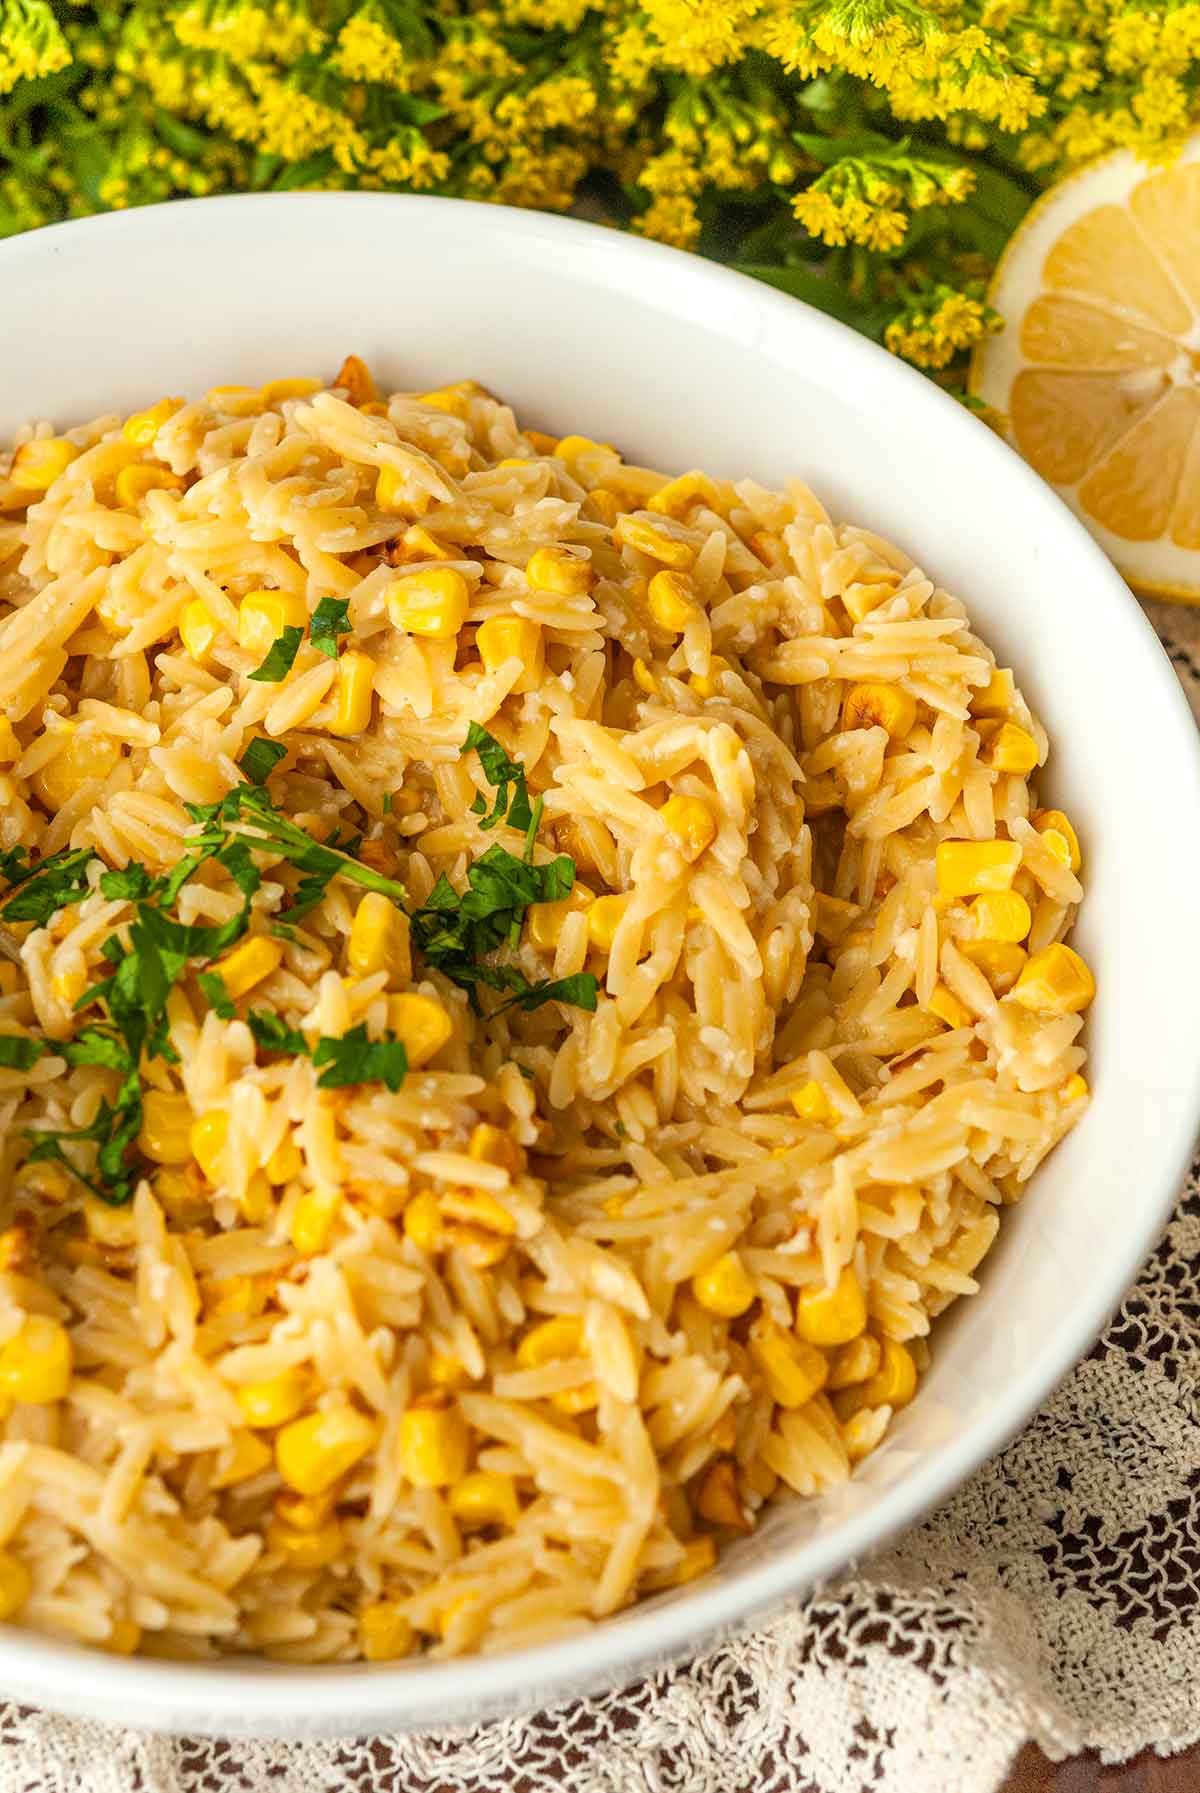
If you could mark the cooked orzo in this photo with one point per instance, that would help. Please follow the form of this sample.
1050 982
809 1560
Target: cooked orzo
526 987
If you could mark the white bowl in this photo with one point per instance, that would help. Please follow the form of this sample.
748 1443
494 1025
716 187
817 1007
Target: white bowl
683 363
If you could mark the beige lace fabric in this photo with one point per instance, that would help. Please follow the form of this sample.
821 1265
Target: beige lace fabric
1055 1598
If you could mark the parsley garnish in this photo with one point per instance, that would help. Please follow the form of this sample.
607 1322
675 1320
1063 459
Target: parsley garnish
329 620
19 1054
274 1035
219 1000
356 1059
504 773
261 758
48 886
280 655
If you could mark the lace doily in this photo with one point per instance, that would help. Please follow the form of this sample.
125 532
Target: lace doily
1055 1598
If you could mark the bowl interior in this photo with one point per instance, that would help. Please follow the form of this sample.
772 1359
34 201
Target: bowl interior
681 364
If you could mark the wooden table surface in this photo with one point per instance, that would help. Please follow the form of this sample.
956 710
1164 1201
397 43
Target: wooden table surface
1147 1773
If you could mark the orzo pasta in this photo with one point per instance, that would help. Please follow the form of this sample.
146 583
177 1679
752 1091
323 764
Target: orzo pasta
526 986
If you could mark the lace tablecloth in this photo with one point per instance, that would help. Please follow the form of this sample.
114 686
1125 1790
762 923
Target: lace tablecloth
1056 1597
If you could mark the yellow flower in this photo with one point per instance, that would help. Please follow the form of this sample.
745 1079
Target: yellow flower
367 51
671 218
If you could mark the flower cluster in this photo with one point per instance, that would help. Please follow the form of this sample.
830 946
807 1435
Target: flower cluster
870 155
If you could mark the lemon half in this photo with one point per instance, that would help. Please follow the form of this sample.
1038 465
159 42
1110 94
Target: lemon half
1096 373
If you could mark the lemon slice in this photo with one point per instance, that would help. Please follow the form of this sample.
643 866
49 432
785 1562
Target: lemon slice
1096 373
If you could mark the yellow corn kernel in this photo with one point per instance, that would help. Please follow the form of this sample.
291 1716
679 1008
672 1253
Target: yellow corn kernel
880 706
996 697
1058 844
15 1584
143 426
245 1456
304 1512
453 400
423 1221
671 600
717 1497
166 1127
35 1365
605 504
576 1400
726 1287
1001 961
1049 822
207 1138
276 391
390 488
677 497
545 920
945 1005
485 1498
550 1340
372 942
895 1382
515 460
421 1023
553 569
132 483
704 684
198 629
724 1433
603 918
350 699
447 1372
354 378
109 1226
273 1403
284 1163
433 603
1001 915
793 1370
83 758
306 1550
263 616
969 867
481 1247
37 464
1056 981
313 1220
856 1362
383 1632
249 963
234 401
656 544
124 1638
10 746
569 448
644 679
478 1208
811 1103
492 1145
690 823
834 1316
860 1435
699 1555
503 638
432 1446
313 1453
418 544
1012 749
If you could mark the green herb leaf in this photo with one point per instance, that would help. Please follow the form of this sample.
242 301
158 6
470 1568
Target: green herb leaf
356 1059
50 886
19 1054
261 758
329 620
217 995
502 772
274 1035
132 882
14 864
581 991
280 655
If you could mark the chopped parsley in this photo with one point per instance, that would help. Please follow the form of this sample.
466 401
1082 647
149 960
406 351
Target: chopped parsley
356 1059
213 987
329 620
274 1035
281 655
48 886
505 774
19 1054
261 758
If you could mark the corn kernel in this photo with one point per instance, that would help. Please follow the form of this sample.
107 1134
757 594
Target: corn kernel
132 484
550 1340
724 1433
107 1225
354 378
418 544
861 1434
390 490
350 699
481 1247
545 920
432 1446
970 867
644 679
856 1362
447 1372
1049 822
234 401
945 1005
485 1498
264 615
1013 749
37 464
453 400
704 684
726 1287
834 1316
1001 961
433 603
304 1512
284 1163
1056 981
423 1221
717 1497
371 946
793 1370
124 1638
690 823
313 1453
274 1402
576 1400
245 1456
198 629
10 746
605 504
671 600
313 1220
880 706
492 1145
384 1633
569 448
249 963
893 1384
656 544
553 569
166 1127
603 918
143 426
1058 844
306 1550
35 1365
811 1103
996 697
82 759
698 1557
1001 915
421 1023
208 1135
677 497
504 638
276 391
15 1584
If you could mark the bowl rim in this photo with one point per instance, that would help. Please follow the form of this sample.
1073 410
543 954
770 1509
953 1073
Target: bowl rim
251 1698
